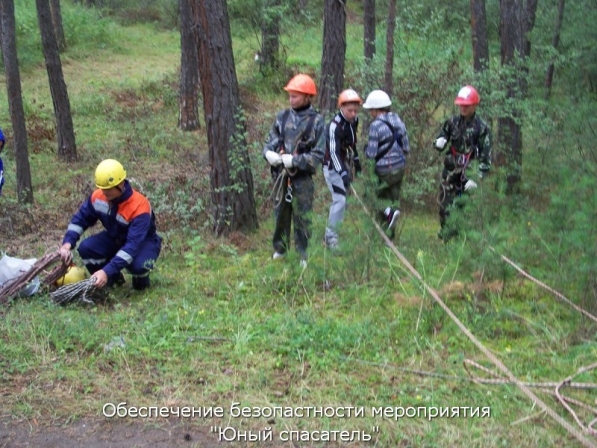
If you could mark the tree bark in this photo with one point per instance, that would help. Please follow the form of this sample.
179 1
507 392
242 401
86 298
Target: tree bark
188 101
389 68
67 149
15 101
369 28
333 55
57 22
517 18
231 177
270 36
555 42
479 35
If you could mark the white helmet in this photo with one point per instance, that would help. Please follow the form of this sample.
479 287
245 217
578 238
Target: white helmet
378 99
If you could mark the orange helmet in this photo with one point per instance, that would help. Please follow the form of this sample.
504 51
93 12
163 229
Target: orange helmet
303 84
349 96
467 96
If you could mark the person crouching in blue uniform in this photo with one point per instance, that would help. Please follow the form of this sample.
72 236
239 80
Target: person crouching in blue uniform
129 239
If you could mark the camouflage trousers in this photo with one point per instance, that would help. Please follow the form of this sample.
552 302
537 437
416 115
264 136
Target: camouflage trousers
297 212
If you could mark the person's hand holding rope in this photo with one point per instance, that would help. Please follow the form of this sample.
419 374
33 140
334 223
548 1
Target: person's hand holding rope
100 279
65 254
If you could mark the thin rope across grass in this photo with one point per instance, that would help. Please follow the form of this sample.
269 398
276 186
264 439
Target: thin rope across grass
544 286
499 364
11 288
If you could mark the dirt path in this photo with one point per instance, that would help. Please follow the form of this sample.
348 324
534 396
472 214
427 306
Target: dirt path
103 433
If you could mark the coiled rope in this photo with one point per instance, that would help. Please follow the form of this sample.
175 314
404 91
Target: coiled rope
278 193
83 291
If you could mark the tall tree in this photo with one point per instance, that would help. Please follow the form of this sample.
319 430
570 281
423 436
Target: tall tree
231 178
555 42
333 55
479 35
270 35
389 69
67 149
369 28
57 22
15 100
517 18
188 100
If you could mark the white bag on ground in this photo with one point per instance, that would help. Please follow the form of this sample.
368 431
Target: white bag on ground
11 267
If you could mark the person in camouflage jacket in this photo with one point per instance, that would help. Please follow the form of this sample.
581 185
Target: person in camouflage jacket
464 137
295 148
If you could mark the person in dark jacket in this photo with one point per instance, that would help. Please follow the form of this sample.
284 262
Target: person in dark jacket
129 239
341 157
295 148
388 145
465 137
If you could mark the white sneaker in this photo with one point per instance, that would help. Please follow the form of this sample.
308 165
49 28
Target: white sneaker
277 255
304 264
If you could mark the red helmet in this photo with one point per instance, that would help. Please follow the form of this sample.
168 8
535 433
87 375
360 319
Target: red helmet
467 96
303 84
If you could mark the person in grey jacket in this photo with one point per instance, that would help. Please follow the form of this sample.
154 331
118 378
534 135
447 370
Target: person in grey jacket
388 146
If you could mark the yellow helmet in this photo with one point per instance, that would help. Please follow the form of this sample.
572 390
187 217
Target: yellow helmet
109 173
74 274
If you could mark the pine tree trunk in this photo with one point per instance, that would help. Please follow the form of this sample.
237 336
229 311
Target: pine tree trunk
333 56
479 35
555 42
270 36
231 177
188 116
517 19
57 22
15 101
67 149
369 28
389 69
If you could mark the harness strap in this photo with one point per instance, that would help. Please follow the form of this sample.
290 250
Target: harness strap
390 142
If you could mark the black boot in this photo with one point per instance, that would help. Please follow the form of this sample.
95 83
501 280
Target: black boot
117 280
141 283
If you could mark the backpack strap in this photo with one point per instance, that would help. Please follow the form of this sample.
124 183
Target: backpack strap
390 142
285 116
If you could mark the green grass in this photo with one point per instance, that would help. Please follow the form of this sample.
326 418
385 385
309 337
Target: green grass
224 323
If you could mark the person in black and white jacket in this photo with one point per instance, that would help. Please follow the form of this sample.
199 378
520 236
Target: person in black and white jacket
340 157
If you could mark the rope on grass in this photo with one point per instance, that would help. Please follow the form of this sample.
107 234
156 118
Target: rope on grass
83 291
476 379
500 365
11 288
544 286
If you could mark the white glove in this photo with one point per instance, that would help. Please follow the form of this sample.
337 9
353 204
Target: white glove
273 158
439 143
470 185
287 160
